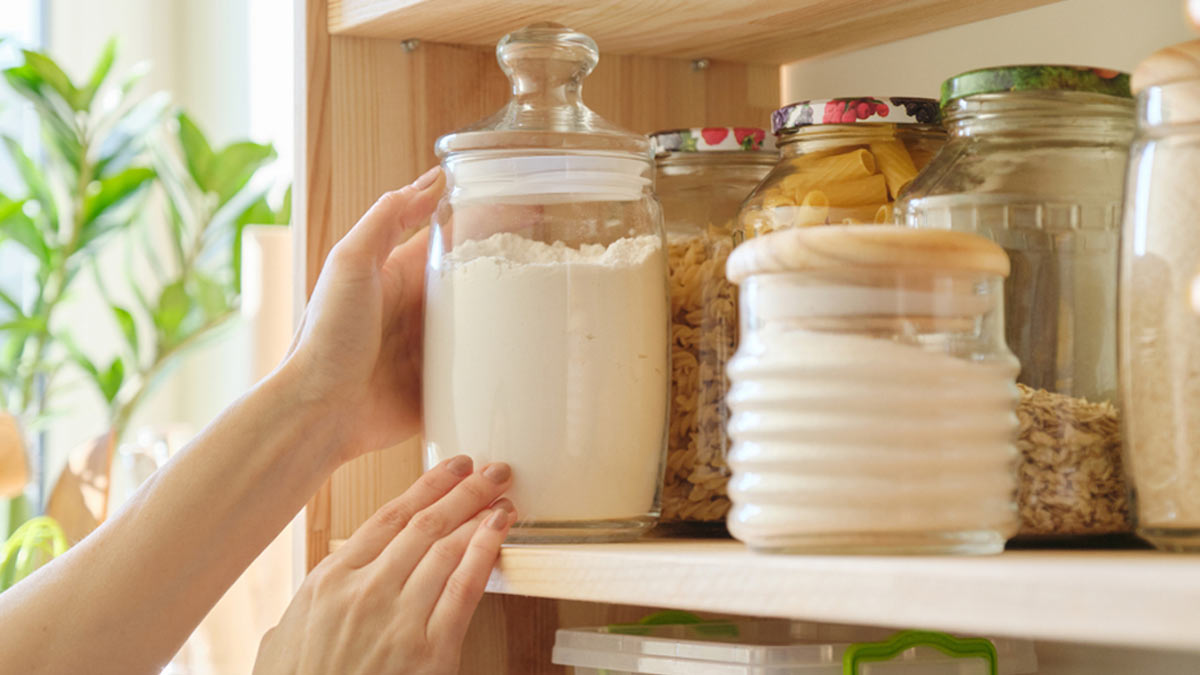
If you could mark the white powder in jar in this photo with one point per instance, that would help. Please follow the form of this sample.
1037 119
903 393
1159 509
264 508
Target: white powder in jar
553 359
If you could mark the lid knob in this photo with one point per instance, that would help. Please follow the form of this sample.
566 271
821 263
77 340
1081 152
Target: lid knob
546 55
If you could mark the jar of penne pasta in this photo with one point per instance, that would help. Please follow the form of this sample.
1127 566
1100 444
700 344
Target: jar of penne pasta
842 161
703 175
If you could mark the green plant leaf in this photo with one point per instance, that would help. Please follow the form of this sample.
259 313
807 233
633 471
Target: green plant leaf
284 216
128 137
55 113
15 225
110 380
234 166
257 213
212 296
172 309
34 179
85 96
128 327
24 324
113 190
197 153
51 75
10 302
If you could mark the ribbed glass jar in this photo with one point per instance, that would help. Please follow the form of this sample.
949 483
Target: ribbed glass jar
872 393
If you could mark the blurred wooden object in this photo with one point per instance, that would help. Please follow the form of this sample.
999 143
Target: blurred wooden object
79 501
14 465
1177 63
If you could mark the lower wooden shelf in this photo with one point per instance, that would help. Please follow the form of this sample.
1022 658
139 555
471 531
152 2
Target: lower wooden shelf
1134 598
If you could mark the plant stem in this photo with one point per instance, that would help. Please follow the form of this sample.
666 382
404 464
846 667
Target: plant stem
123 413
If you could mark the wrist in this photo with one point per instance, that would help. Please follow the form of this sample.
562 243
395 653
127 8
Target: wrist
320 418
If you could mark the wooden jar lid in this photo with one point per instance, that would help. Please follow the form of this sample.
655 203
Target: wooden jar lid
1177 63
865 247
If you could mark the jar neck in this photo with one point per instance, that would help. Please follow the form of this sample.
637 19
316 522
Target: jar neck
1049 116
818 137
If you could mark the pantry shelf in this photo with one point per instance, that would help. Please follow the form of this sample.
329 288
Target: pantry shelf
755 31
1135 598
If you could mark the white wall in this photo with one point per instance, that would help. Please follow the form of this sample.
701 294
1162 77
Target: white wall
1103 33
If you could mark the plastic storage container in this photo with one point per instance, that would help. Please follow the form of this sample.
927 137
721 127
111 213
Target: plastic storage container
1035 162
842 161
1160 303
872 393
703 176
768 647
546 327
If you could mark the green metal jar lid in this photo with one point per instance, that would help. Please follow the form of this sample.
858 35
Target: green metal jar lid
1036 78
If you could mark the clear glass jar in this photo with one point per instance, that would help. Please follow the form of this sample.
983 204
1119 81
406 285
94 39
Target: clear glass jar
546 327
842 161
1035 162
703 177
1160 316
872 393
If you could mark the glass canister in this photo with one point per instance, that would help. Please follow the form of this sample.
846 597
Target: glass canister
842 161
1035 162
702 178
1160 302
872 393
546 326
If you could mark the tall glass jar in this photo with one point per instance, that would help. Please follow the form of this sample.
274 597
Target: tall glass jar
1035 162
842 161
703 177
1160 305
546 328
872 398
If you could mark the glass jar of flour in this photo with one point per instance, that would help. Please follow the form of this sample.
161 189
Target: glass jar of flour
546 314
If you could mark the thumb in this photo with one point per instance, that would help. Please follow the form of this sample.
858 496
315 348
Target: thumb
394 216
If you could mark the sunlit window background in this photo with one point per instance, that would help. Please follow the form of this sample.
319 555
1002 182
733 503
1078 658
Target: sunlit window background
228 64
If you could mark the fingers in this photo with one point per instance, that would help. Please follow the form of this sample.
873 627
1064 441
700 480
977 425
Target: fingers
393 215
467 499
424 587
463 590
370 539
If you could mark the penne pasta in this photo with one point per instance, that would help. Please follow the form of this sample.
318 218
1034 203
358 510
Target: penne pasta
854 215
883 216
895 164
871 190
858 163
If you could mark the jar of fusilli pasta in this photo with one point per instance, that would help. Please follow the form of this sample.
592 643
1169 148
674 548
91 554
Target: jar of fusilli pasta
842 161
703 176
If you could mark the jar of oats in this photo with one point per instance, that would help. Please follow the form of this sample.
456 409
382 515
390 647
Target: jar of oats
702 177
1159 306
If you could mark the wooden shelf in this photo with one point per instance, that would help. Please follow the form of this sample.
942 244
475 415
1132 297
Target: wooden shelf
750 31
1135 598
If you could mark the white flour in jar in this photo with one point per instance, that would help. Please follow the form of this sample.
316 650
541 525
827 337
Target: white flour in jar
554 360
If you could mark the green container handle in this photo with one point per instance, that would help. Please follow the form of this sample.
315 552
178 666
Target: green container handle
960 648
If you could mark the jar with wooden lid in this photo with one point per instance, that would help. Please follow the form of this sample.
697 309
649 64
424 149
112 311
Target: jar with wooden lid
872 393
842 161
1159 316
703 175
1035 162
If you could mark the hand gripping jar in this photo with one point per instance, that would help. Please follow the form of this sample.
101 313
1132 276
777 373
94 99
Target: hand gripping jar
1035 162
703 177
1159 315
872 393
842 161
546 331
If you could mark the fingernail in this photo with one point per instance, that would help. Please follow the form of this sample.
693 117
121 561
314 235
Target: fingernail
427 178
460 466
498 472
505 505
498 521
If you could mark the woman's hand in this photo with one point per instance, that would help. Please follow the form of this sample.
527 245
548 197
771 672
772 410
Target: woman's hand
358 351
398 596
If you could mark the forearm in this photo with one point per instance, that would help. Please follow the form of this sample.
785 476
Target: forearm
125 599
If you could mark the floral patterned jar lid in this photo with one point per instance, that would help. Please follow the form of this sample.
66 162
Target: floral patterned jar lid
1036 78
891 110
711 139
